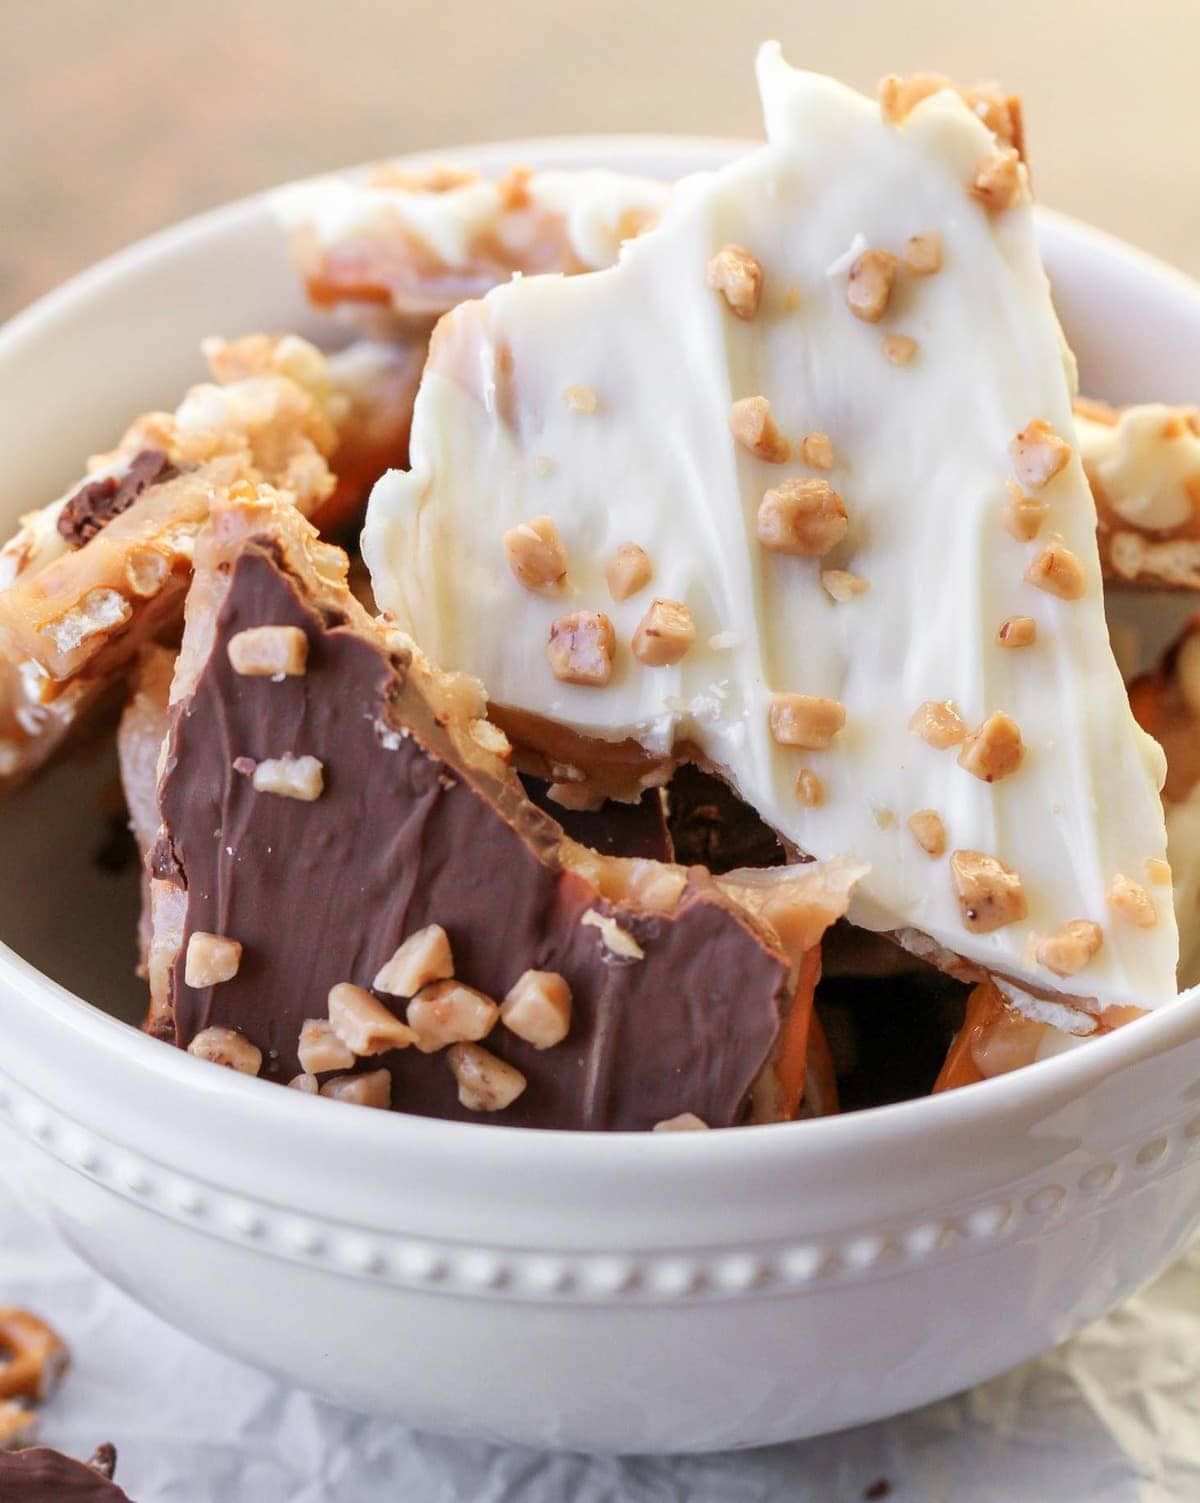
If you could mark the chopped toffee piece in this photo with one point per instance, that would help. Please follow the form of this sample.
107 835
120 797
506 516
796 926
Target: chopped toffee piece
898 348
804 517
869 285
1070 949
269 652
922 254
450 1012
423 957
321 1050
581 648
1017 631
751 423
999 182
816 450
536 555
805 720
684 1122
227 1047
994 749
363 1023
371 1089
627 572
738 277
938 723
1038 454
664 634
538 1009
1058 571
929 831
702 1021
990 895
581 399
1132 902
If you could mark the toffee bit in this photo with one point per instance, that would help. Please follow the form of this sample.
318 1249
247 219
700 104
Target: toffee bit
754 428
269 652
994 749
922 254
806 720
227 1047
1017 631
449 1012
581 648
1070 949
211 959
485 1083
869 285
1058 571
805 518
990 894
628 571
684 1122
536 555
1023 516
538 1008
898 348
664 634
423 957
997 184
1131 901
1038 455
738 277
581 399
928 831
374 1089
816 450
841 585
809 788
938 723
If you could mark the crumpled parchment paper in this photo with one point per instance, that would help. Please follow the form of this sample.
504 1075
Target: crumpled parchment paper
1111 1417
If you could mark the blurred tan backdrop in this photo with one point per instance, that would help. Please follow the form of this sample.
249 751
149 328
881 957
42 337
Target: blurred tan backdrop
119 116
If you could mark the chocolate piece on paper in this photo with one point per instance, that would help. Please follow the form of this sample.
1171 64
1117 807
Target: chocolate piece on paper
40 1475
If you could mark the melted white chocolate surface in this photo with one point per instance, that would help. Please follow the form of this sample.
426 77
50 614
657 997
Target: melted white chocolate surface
921 457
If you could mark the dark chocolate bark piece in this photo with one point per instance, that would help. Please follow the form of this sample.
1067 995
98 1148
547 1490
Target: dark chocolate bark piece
40 1475
681 996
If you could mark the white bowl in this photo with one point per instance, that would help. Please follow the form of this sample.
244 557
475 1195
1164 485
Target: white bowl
609 1292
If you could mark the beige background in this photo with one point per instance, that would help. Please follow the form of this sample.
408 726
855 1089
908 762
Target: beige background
119 116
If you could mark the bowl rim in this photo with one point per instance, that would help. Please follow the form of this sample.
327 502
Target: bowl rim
1066 1075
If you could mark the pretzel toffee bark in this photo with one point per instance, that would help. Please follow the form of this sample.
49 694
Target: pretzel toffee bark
92 576
458 954
955 718
404 247
39 1475
1143 463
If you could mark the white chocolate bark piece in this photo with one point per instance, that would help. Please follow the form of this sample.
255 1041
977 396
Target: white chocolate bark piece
1143 463
406 247
924 455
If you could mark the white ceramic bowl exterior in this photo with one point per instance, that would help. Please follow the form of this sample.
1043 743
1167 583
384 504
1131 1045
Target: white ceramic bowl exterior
619 1292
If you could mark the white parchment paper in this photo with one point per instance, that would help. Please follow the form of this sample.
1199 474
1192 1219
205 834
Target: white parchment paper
1111 1417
